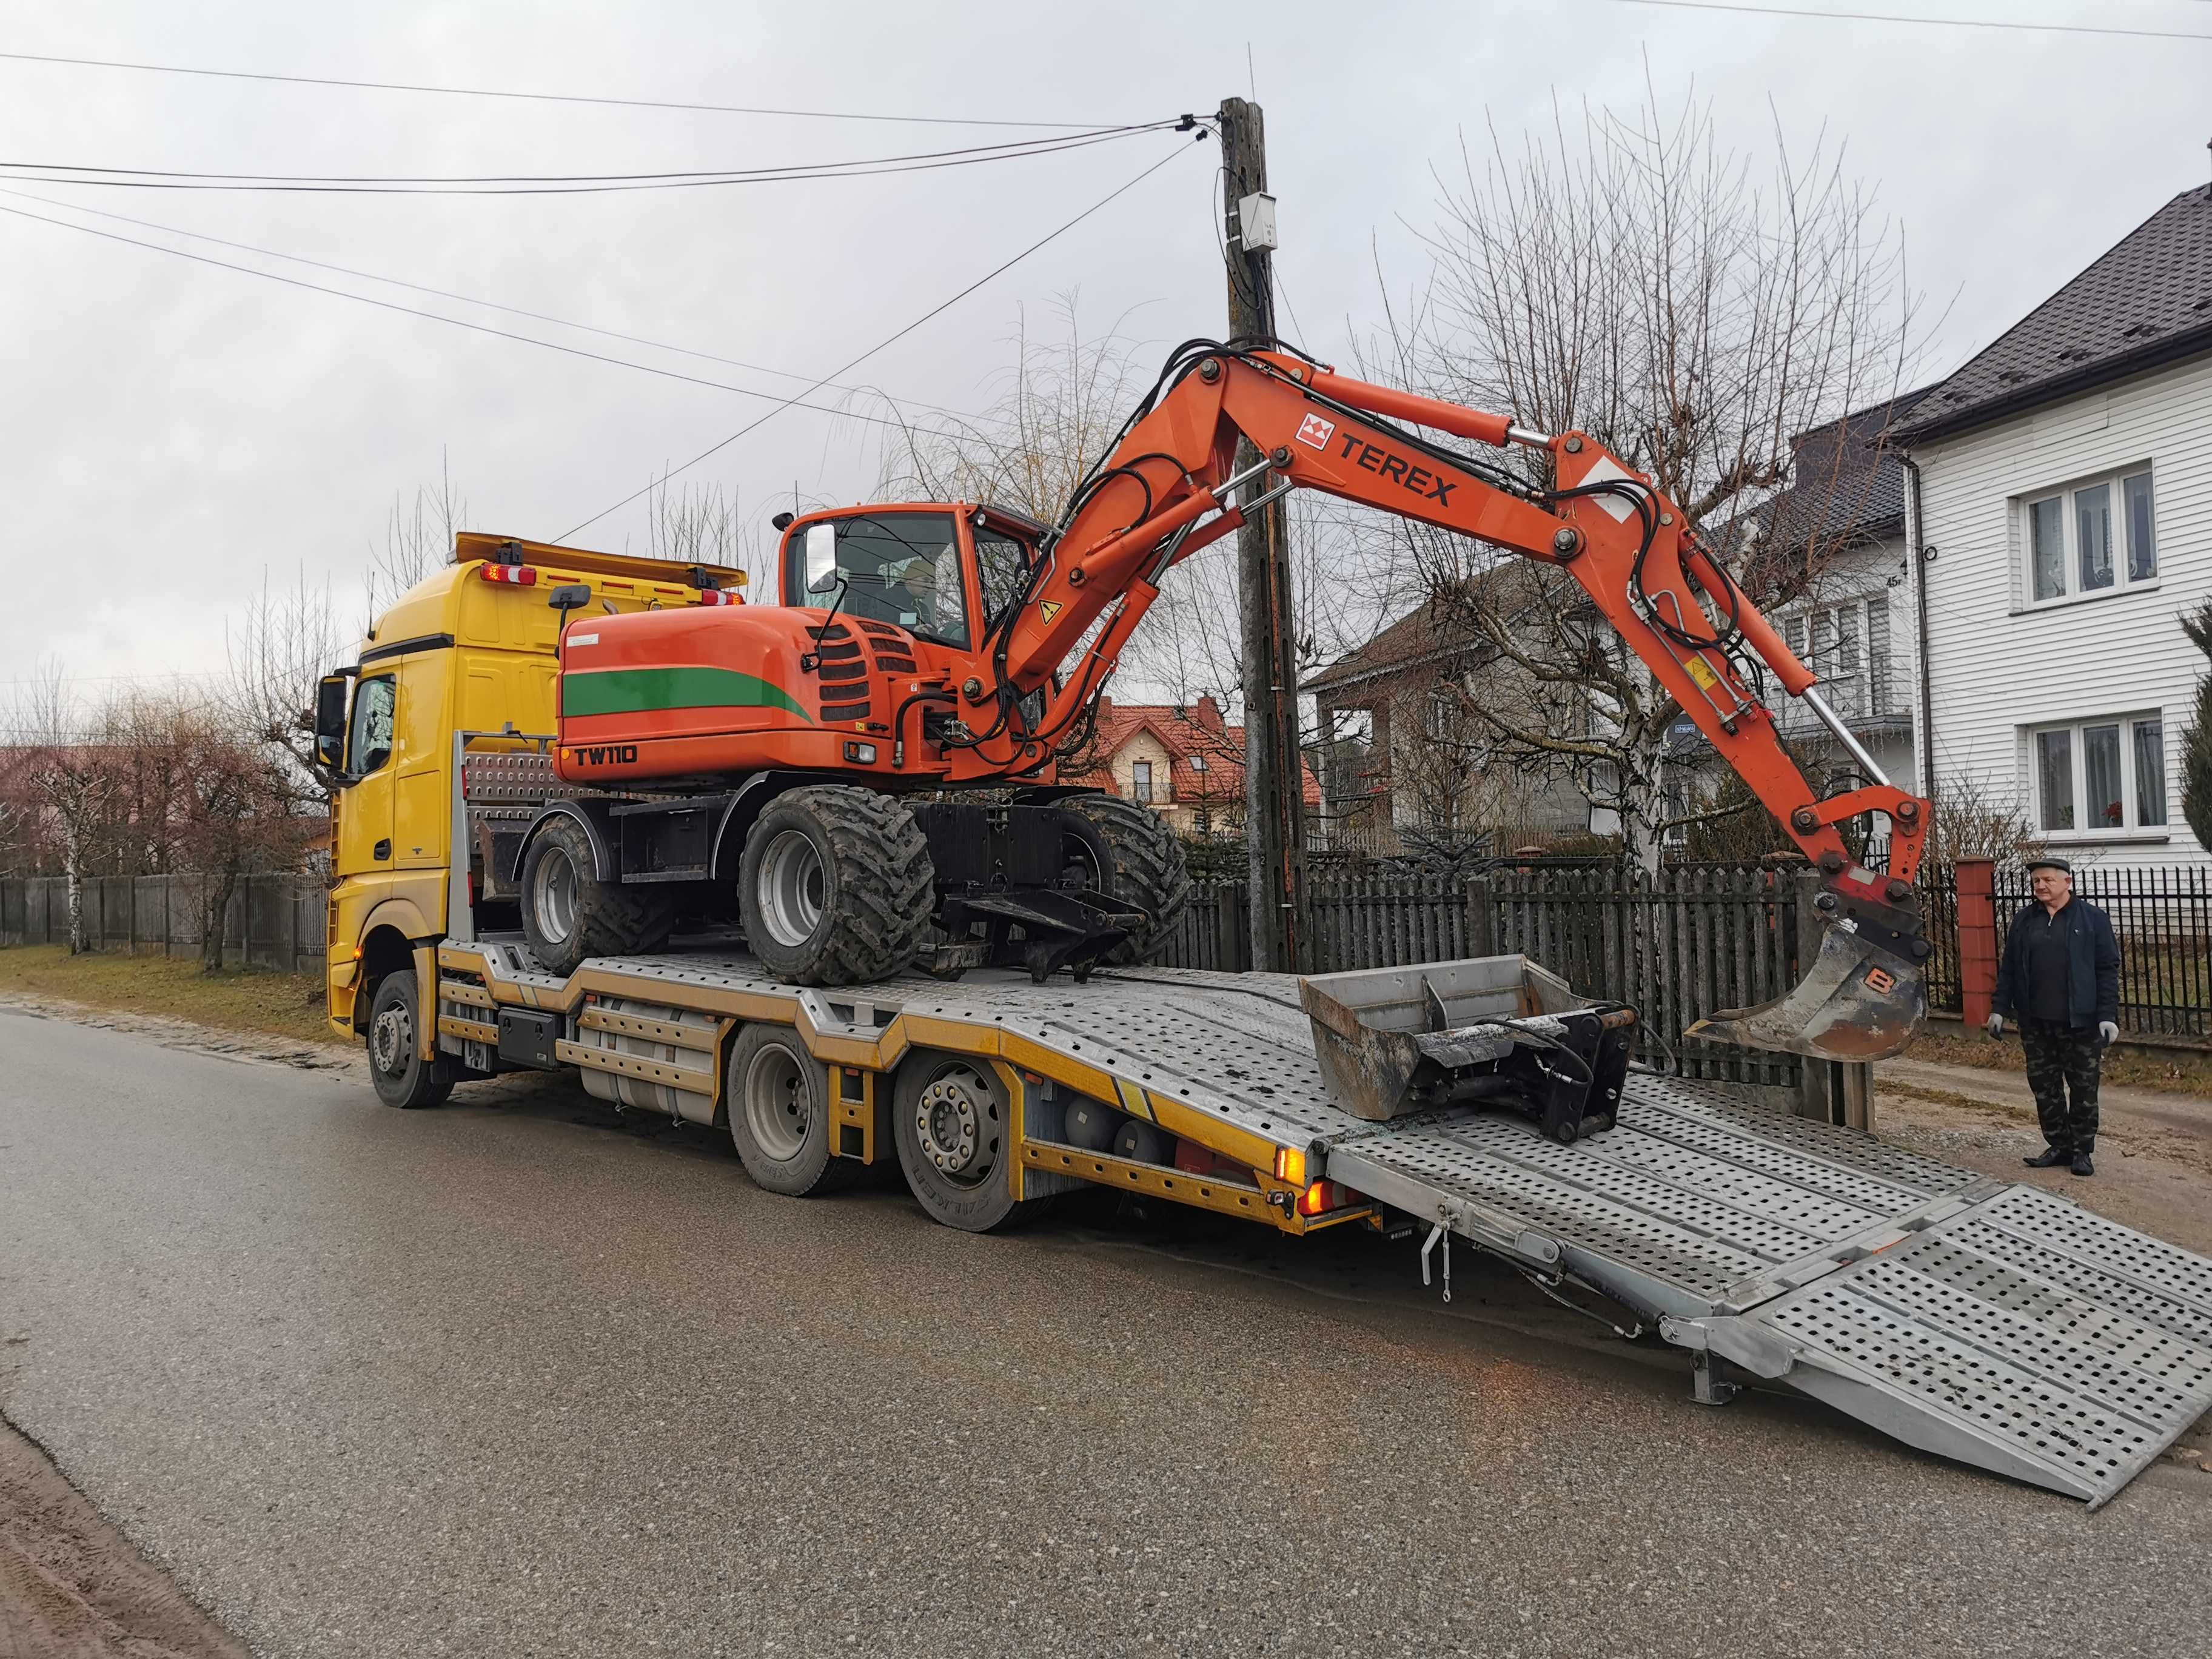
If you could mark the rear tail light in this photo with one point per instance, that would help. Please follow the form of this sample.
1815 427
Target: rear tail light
1324 1195
514 575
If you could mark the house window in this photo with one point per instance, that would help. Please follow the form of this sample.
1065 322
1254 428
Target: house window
2101 776
1846 644
2095 538
1198 763
1141 781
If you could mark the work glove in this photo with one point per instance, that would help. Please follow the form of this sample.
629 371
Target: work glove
2107 1034
1995 1025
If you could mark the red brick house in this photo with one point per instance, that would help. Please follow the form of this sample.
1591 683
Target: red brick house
1183 761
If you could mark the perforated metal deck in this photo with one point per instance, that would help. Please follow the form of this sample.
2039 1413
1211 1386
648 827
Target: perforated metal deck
1995 1324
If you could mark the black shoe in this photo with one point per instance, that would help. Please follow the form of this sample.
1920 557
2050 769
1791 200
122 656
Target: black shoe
2051 1158
2081 1165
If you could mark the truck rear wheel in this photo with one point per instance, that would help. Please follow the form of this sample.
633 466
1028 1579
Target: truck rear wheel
395 1066
1142 865
954 1130
778 1102
835 886
569 913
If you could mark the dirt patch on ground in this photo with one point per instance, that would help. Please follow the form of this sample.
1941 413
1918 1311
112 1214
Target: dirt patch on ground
73 1587
2180 1071
2154 1148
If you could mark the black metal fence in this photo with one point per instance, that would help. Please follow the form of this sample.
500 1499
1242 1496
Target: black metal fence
1677 945
2163 917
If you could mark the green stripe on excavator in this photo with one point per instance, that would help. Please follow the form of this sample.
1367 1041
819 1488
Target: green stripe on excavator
637 690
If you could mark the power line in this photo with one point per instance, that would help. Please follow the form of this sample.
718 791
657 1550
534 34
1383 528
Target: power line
54 173
1927 22
543 97
847 367
477 328
471 300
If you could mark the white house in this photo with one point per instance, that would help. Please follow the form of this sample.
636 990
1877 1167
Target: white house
2065 521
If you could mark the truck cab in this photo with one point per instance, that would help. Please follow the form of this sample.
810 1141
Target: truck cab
470 648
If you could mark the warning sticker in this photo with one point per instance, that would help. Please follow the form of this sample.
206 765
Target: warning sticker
1047 609
1702 673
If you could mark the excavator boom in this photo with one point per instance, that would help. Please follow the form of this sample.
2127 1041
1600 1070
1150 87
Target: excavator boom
1170 487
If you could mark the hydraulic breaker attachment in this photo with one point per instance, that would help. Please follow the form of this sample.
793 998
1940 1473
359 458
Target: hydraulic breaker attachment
1866 994
1490 1029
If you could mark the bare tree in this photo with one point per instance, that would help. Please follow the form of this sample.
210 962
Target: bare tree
277 651
418 537
1692 306
701 524
68 775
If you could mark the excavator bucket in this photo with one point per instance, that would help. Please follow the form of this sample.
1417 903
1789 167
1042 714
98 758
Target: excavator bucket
1860 1000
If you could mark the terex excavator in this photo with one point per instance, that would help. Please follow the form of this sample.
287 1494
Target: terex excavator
946 650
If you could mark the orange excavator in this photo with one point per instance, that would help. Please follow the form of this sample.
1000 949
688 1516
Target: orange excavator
871 764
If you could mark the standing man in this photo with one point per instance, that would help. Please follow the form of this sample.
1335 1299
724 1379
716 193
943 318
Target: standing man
2060 979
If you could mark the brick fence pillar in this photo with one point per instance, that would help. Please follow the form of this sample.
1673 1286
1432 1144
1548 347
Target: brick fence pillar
1978 937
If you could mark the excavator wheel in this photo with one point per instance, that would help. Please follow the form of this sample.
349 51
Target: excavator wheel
569 913
835 887
1142 860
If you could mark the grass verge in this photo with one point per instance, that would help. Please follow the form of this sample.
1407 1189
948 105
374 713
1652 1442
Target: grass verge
257 999
2141 1068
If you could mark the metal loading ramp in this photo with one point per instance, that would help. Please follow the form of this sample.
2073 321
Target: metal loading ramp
1991 1323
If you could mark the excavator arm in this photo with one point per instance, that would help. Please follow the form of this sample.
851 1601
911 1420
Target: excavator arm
1172 486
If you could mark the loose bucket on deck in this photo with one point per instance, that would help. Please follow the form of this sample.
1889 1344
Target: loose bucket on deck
1397 1040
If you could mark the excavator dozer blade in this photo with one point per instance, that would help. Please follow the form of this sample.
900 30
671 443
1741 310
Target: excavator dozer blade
1859 1002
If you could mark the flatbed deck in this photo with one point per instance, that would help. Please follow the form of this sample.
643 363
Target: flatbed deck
1986 1322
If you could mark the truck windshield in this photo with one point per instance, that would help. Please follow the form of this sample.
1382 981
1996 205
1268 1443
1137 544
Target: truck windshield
900 567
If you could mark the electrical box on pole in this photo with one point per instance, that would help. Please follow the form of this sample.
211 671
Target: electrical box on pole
1274 772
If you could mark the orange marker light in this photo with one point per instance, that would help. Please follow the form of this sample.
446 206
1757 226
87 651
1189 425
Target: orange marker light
1291 1165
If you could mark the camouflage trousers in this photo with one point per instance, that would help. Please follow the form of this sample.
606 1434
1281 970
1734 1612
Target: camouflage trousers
2064 1060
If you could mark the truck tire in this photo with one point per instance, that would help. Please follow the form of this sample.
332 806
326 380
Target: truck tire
835 886
1146 865
401 1076
778 1104
569 913
955 1131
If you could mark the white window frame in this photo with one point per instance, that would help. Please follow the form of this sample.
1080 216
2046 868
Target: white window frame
1863 687
1141 784
2072 591
2130 828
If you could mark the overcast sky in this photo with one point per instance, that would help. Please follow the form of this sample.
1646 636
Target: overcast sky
169 432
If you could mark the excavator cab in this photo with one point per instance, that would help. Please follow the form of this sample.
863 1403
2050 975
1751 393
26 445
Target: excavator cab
933 570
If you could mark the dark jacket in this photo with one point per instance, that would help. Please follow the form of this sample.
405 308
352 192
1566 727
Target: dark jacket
2093 964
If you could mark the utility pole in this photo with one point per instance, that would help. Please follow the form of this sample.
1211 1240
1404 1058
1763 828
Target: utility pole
1274 774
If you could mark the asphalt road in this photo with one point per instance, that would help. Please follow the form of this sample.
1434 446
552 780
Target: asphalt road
512 1377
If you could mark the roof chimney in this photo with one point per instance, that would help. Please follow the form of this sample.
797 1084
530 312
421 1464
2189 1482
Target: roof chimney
1209 712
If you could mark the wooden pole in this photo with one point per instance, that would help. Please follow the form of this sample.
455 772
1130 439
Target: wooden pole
1274 775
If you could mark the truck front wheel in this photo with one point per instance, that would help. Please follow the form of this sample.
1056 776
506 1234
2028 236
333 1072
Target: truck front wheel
569 913
403 1078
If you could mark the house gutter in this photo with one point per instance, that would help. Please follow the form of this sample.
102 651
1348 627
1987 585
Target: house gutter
1920 556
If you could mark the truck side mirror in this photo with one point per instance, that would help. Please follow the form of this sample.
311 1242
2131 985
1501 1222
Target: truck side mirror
330 720
821 558
569 596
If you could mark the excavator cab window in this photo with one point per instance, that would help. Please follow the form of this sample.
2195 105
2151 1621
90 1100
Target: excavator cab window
902 567
1002 570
